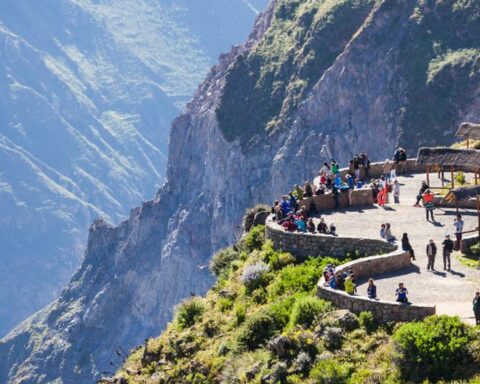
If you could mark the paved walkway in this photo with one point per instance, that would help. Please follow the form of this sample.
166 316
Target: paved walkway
452 292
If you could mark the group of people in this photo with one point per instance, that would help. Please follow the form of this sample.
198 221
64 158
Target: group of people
345 280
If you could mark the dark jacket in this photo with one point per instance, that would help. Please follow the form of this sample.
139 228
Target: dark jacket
434 249
406 244
448 245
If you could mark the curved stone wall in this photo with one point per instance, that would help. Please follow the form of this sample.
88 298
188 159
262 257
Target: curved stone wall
381 310
303 245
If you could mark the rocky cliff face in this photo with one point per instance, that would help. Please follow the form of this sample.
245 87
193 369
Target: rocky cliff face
88 90
364 98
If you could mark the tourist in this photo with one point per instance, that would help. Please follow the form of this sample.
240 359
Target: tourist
293 202
333 229
328 183
365 163
428 203
431 253
351 187
387 169
307 189
358 184
285 204
334 167
447 251
336 197
371 289
396 192
289 224
388 233
310 226
382 231
297 192
301 224
458 223
401 294
374 188
317 180
322 226
476 308
274 207
325 169
400 160
341 280
356 167
332 282
277 211
320 190
382 191
350 286
302 213
423 188
407 247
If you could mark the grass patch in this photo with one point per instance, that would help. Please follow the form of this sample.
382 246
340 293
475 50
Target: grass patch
470 261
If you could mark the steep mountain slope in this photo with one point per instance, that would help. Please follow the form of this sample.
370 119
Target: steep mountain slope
87 93
363 96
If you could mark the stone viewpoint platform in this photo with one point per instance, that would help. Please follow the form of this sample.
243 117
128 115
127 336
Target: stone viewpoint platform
444 292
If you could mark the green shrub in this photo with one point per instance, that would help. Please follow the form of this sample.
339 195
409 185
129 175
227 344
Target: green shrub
254 239
367 321
475 250
331 371
306 310
189 312
225 304
460 178
434 349
302 278
281 260
256 330
222 260
240 312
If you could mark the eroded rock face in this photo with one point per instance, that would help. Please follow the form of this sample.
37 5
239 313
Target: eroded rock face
134 274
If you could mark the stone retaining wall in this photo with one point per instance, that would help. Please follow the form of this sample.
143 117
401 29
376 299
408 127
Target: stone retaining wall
382 310
303 245
467 242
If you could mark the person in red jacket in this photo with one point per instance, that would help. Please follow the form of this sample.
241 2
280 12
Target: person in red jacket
428 203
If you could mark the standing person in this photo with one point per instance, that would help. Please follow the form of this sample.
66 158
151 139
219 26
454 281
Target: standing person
285 205
431 253
387 169
447 251
476 308
401 294
371 289
336 196
351 187
396 192
382 191
458 223
423 188
334 167
428 203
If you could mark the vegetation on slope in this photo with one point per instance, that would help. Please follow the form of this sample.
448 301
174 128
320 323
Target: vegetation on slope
262 323
265 86
440 57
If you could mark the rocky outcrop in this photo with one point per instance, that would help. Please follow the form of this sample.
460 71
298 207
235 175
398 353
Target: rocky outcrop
135 273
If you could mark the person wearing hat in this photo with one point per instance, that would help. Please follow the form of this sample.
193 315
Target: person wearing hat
476 308
447 251
431 253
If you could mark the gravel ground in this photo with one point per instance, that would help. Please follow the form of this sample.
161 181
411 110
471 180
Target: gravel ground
451 291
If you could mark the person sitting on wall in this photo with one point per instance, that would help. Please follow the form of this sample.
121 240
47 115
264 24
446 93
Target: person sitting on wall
407 247
341 280
301 224
401 294
310 226
322 226
382 231
293 202
320 190
302 212
371 289
350 286
325 169
358 184
289 224
365 163
307 189
333 230
334 167
388 233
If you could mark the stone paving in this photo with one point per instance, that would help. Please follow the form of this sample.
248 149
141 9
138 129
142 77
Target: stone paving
451 291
